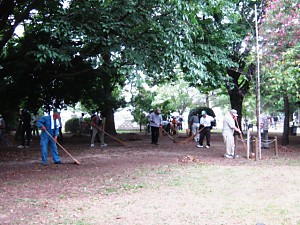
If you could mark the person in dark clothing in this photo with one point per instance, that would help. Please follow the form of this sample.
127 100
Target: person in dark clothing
25 128
205 126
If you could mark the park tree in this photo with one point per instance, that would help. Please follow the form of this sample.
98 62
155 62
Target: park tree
106 41
180 95
109 39
142 103
224 42
118 37
15 13
283 82
280 33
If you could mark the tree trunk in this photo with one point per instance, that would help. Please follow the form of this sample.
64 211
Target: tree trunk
237 89
207 100
236 101
110 119
237 93
286 126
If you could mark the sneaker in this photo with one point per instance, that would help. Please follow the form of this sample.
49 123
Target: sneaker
228 156
200 146
58 162
207 146
92 145
104 145
21 146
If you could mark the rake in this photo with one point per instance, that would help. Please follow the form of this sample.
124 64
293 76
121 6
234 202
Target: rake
76 162
193 136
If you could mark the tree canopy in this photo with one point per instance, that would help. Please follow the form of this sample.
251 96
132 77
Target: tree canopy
88 51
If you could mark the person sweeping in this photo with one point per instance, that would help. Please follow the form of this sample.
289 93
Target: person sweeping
155 123
227 132
49 124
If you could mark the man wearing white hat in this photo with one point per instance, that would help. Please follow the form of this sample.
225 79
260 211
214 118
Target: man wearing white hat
227 132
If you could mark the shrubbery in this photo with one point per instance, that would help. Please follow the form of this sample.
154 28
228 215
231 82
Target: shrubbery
199 109
72 125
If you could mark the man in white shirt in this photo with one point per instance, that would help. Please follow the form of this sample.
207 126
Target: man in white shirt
227 132
205 125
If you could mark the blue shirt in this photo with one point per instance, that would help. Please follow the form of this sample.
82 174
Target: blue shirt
46 121
155 120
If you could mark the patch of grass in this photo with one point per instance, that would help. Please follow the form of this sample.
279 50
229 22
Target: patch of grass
111 190
62 196
176 182
133 186
79 222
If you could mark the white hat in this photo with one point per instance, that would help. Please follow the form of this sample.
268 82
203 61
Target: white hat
234 112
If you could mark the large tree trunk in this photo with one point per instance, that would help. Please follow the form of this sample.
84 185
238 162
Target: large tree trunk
237 93
285 135
236 101
110 119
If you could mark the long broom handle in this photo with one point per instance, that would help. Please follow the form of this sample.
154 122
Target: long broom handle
241 136
194 135
116 139
168 134
62 147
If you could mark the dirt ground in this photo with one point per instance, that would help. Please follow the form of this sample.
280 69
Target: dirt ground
141 183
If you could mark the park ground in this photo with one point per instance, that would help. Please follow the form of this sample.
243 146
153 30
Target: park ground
138 184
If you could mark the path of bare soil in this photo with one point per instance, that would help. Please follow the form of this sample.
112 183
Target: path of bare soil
171 183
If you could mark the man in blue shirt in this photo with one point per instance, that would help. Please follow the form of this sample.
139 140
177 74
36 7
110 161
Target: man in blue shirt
49 123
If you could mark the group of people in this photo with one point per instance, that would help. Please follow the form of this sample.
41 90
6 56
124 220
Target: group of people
201 128
28 126
50 126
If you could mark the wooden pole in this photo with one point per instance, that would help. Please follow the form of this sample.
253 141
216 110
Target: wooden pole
241 136
258 102
248 143
256 148
236 146
276 146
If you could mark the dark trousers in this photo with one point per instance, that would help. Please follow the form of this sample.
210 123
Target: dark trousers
60 135
205 133
154 134
27 130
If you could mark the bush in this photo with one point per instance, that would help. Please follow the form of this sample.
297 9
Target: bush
198 111
72 125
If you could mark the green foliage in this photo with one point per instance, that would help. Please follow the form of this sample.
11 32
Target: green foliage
142 103
86 51
198 110
72 125
282 78
179 95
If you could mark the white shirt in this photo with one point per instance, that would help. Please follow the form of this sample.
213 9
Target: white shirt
228 123
206 121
